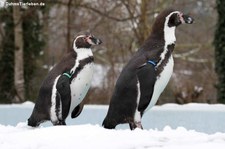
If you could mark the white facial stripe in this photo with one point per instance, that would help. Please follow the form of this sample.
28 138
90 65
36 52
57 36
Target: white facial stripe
80 36
169 36
172 14
169 32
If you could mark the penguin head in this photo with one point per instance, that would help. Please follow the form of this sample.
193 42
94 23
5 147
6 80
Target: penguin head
171 18
85 40
175 18
166 22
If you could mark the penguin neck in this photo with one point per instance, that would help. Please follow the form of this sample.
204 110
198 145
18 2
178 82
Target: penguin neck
164 37
169 34
158 42
83 52
162 32
169 39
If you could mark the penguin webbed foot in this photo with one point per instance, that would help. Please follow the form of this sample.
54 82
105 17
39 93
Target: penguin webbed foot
32 123
61 122
35 119
108 125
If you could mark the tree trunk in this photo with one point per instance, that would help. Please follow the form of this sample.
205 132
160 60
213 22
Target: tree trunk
143 23
18 57
220 51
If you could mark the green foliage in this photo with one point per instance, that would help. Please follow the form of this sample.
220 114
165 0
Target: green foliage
219 43
33 44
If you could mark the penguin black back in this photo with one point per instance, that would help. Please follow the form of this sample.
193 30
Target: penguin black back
66 84
147 73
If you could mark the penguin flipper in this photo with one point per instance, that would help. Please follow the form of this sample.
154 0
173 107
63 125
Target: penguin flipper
77 110
146 77
63 88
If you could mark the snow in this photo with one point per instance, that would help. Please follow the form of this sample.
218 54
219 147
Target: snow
86 132
93 136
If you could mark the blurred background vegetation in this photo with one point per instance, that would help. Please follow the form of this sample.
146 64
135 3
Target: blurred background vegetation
44 33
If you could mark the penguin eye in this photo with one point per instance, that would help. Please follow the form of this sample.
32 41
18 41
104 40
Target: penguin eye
174 20
85 39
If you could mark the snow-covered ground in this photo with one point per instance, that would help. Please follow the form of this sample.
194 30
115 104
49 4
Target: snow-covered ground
170 126
95 137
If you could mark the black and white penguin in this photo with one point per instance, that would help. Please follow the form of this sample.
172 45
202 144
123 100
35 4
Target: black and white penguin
147 73
66 85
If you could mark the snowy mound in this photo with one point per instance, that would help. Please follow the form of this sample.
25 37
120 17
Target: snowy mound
95 137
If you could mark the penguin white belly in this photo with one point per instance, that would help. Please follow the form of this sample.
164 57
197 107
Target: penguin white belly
80 85
161 82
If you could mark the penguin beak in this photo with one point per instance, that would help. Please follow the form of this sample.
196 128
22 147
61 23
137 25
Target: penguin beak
93 40
186 19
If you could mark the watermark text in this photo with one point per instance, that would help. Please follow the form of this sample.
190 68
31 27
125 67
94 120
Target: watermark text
24 4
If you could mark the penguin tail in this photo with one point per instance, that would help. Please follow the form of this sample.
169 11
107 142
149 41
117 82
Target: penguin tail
107 124
32 122
35 119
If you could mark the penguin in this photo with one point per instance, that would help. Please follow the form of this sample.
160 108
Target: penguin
147 73
66 85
